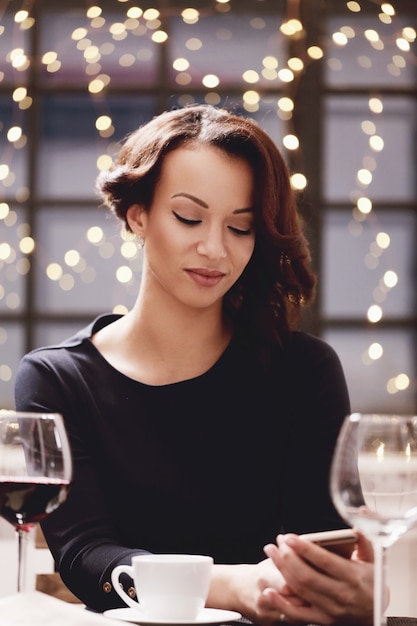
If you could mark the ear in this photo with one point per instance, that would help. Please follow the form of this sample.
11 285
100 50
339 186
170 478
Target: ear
136 217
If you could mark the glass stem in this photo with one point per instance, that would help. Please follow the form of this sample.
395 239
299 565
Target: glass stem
380 568
21 558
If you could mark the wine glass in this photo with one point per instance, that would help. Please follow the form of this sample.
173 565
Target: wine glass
35 472
373 484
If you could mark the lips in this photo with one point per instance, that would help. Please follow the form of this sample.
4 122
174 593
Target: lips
205 277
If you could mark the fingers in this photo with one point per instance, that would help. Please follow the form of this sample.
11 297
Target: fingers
331 586
364 550
280 608
332 565
270 584
304 581
312 572
269 594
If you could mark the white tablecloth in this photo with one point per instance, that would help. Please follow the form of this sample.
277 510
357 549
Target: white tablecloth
38 609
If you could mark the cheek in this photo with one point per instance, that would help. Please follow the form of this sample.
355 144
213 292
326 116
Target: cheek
247 251
166 246
162 237
242 257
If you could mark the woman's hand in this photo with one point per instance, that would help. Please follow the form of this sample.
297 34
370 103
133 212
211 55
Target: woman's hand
250 589
332 588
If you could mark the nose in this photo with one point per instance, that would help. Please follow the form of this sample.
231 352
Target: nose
212 245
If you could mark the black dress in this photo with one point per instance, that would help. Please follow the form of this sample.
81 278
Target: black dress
217 464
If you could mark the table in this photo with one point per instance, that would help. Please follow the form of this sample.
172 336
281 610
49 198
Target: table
39 609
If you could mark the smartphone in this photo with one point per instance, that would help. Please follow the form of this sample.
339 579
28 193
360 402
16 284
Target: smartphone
341 541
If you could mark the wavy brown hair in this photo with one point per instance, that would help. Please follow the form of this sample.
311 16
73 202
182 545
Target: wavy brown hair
268 297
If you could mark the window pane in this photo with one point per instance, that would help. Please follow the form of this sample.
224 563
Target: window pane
82 277
14 265
354 266
378 384
12 152
52 333
11 351
350 129
227 46
362 62
12 37
69 136
107 48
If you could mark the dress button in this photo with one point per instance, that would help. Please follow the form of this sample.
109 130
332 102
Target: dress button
107 587
131 592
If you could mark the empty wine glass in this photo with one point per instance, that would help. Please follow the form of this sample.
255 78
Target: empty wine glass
374 484
35 472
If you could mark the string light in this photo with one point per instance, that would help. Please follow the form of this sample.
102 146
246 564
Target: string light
147 29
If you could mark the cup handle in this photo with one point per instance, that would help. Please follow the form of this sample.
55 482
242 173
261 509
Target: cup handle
115 576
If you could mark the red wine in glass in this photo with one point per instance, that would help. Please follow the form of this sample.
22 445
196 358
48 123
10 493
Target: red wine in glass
25 502
35 472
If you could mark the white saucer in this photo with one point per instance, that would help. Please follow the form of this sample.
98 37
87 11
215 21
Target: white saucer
205 616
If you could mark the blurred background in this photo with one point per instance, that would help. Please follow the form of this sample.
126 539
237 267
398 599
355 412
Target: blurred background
333 82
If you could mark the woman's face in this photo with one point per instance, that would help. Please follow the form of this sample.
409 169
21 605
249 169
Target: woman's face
199 231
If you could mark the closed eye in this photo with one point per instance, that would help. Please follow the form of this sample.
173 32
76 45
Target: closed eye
240 231
184 220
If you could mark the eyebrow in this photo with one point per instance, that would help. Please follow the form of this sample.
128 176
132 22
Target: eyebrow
205 205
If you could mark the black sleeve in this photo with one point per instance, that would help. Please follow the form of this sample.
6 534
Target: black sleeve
80 535
318 404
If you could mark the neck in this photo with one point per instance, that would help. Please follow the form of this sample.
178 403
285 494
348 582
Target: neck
163 340
160 342
175 327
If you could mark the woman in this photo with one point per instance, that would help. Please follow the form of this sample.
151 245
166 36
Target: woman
202 421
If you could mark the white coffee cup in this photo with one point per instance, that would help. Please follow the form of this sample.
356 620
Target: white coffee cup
168 586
